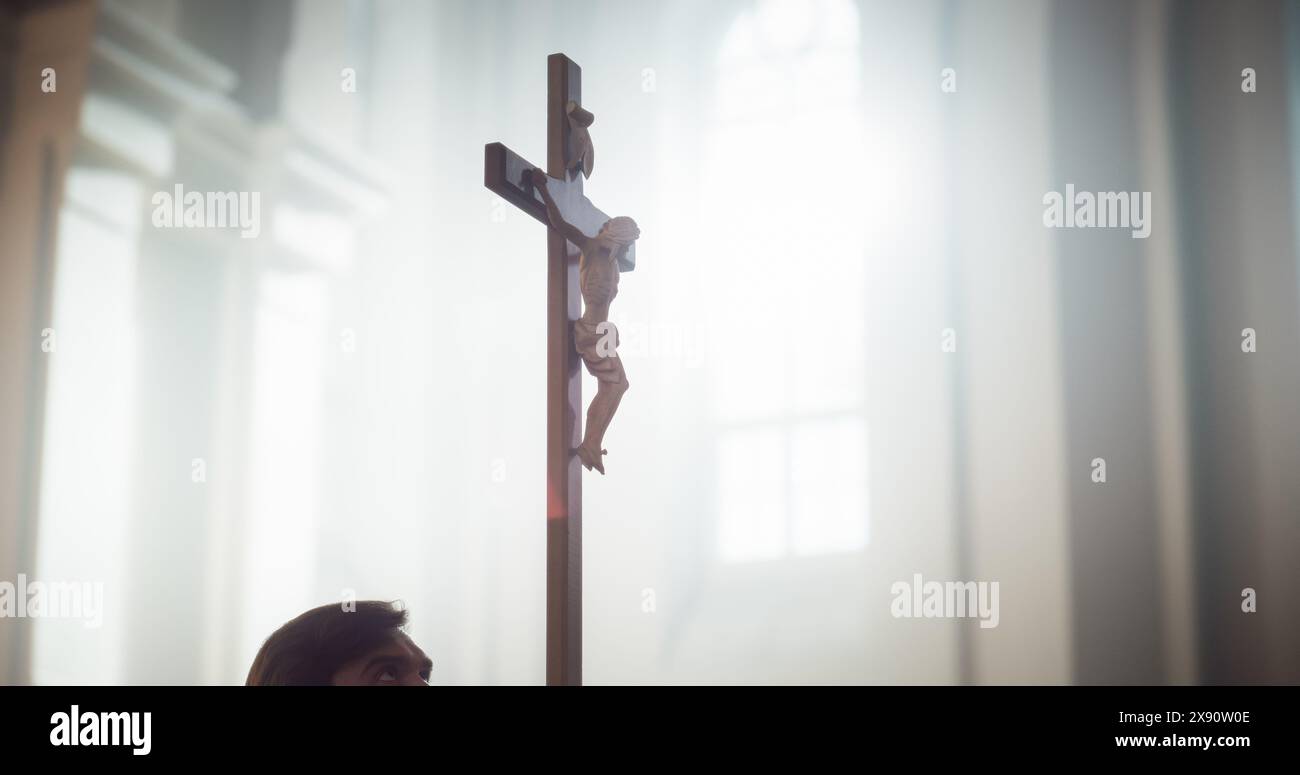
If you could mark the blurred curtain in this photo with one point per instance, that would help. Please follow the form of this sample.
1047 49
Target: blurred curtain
1236 172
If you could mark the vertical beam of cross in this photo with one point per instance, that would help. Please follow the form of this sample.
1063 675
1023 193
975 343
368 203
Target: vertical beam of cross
564 404
505 173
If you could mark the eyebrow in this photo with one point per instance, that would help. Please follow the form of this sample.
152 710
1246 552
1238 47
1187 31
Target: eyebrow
425 664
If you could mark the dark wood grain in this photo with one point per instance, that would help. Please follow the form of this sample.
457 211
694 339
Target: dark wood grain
564 399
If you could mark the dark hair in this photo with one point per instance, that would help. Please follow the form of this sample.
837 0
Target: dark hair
310 649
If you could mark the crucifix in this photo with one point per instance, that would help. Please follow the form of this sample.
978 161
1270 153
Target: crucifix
581 240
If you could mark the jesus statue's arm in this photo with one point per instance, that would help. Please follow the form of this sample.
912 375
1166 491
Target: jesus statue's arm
571 233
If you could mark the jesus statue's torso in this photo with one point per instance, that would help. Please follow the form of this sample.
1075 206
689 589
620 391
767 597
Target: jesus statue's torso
598 281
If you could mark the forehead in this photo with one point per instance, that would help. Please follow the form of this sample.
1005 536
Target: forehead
399 646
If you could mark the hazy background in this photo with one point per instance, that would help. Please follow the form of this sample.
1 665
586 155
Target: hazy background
364 382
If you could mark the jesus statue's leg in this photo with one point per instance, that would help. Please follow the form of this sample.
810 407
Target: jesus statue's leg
608 395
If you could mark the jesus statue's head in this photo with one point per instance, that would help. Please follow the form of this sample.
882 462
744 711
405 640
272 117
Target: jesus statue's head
617 234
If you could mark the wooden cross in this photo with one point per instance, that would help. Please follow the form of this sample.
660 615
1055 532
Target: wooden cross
505 174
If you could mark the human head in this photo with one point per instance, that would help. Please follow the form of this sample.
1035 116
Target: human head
342 644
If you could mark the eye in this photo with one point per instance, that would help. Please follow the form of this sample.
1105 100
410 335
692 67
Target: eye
387 675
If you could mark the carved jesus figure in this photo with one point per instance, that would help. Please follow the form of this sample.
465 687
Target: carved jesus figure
598 280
